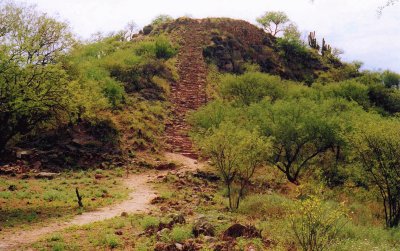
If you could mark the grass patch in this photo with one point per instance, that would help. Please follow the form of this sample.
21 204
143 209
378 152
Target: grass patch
33 201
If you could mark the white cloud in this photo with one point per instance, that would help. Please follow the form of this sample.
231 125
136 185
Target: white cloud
351 25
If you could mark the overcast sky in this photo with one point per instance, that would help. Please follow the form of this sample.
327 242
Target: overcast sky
351 25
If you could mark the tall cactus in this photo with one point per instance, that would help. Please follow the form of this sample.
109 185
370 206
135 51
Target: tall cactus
326 48
312 41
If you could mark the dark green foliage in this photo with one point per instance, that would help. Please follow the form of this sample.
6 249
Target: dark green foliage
164 48
391 79
252 87
350 90
388 99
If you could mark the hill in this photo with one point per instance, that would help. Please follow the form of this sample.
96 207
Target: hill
229 137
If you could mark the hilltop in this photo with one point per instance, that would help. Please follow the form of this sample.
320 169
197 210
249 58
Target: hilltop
230 44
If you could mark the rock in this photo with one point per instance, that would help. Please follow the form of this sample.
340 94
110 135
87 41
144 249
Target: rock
207 176
37 165
250 248
166 166
203 227
238 230
157 200
163 232
21 154
147 29
209 239
12 188
46 175
179 246
178 219
118 232
71 148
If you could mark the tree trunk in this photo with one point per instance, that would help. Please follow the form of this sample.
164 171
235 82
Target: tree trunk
79 198
292 178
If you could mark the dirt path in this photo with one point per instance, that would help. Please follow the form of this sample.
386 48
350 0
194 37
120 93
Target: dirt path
139 201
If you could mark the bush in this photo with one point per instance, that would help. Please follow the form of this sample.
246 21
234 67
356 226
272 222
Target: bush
251 87
111 241
181 233
265 206
316 226
148 222
350 90
164 49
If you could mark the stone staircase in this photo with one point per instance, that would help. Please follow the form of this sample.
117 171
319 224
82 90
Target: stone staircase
189 93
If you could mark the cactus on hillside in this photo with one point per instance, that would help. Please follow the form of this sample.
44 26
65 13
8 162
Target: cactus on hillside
326 48
312 41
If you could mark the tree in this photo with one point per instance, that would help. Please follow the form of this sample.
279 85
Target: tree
161 19
237 153
251 87
391 79
291 33
377 147
273 22
33 83
387 4
300 129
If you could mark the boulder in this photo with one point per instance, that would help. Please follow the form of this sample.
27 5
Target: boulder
46 175
147 29
178 219
166 166
203 227
207 176
238 230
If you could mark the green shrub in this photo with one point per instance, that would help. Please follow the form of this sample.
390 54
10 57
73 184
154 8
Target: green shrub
316 225
148 222
251 87
181 233
163 48
350 90
265 206
111 241
58 246
114 92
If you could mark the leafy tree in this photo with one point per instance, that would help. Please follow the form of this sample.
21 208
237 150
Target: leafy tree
291 33
274 22
351 90
237 153
33 83
377 147
251 87
391 79
300 130
161 19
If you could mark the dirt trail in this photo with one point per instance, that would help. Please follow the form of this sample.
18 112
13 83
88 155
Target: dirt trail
189 93
139 201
